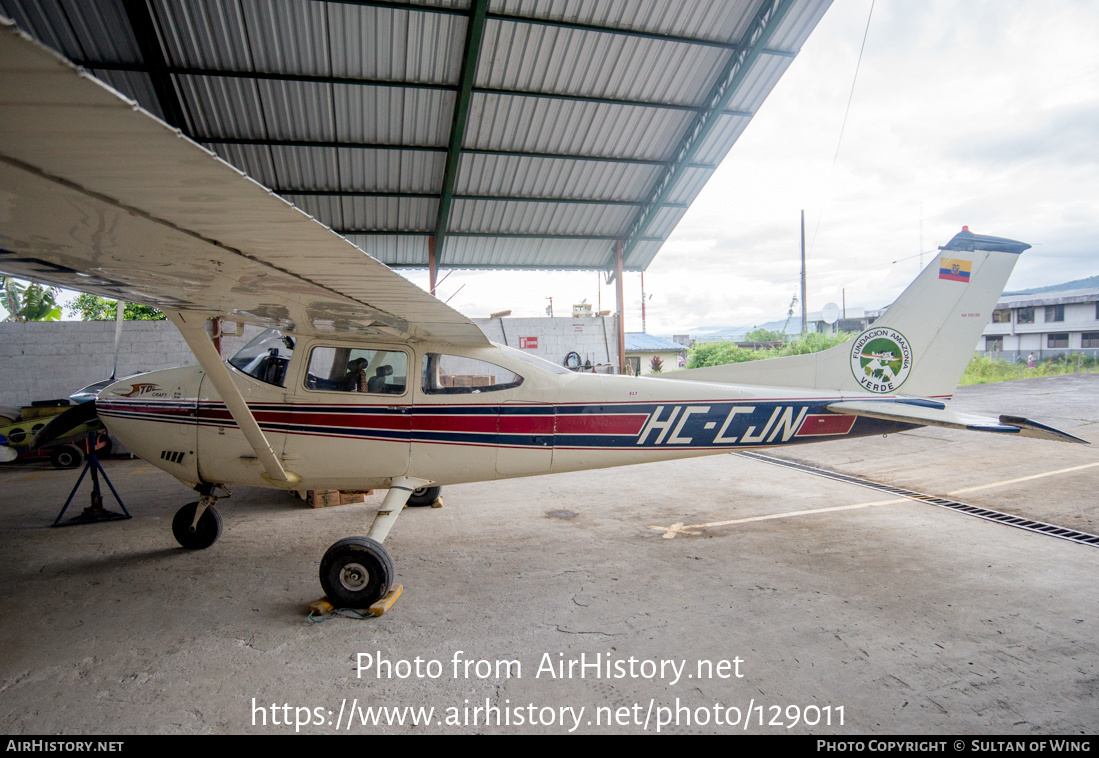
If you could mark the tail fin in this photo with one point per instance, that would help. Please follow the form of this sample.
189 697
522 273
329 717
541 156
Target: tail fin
919 347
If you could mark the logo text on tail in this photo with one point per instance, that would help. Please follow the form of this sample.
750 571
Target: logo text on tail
881 359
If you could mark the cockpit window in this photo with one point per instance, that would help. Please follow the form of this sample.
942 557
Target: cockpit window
457 375
266 357
346 369
534 360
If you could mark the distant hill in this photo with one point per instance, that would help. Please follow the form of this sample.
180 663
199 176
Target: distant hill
735 333
1075 284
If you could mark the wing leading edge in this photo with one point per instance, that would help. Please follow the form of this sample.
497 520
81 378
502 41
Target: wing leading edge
927 416
99 196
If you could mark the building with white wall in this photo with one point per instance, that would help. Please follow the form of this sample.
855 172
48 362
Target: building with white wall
593 339
1046 324
641 348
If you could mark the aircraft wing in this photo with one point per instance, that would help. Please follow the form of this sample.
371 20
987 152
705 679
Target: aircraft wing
927 416
99 196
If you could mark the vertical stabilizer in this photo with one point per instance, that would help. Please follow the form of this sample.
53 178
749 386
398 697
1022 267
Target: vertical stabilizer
919 347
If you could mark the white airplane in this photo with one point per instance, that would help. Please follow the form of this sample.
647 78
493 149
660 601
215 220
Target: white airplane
365 381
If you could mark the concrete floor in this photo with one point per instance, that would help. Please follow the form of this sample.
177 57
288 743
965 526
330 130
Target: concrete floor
901 618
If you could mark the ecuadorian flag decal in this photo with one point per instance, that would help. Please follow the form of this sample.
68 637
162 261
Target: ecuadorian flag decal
955 269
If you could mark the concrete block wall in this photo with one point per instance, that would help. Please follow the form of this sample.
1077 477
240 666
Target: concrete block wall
594 338
44 360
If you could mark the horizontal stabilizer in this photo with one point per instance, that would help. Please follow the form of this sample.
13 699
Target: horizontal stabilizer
917 414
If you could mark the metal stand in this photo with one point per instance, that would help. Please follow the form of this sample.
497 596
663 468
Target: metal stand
95 512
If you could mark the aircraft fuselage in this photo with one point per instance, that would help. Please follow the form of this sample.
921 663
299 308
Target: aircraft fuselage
493 414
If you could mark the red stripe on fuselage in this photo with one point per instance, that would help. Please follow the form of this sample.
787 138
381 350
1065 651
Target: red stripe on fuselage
822 425
526 424
353 420
484 423
617 424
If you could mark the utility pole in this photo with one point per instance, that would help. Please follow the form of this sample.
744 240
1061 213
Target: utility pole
643 329
804 310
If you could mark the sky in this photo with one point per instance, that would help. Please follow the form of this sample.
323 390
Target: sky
964 112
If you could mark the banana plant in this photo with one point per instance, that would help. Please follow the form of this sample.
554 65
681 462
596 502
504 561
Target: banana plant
29 302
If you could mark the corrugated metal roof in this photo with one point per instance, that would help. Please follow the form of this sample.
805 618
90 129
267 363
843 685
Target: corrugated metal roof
525 133
1055 297
642 342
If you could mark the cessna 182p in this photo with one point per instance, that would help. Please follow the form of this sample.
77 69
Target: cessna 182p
365 381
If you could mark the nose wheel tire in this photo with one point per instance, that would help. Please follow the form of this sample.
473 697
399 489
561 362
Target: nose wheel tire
356 572
424 496
204 533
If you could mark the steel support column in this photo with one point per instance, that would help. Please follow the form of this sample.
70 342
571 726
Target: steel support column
145 33
621 307
474 33
432 263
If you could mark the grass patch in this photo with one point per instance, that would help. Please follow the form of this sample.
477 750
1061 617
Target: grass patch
982 370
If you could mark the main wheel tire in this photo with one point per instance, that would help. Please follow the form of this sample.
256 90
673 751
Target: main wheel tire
356 572
205 533
66 456
424 496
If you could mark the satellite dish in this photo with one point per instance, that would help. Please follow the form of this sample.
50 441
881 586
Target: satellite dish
831 313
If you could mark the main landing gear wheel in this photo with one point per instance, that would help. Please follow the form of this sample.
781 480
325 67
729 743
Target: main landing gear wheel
356 572
66 456
203 534
424 496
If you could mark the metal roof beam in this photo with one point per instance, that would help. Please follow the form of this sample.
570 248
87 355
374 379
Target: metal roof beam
621 31
474 34
263 142
210 140
583 157
460 196
486 235
507 267
521 19
230 73
751 47
361 82
405 6
148 42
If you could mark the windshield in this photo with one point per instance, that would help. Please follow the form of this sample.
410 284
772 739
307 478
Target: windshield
534 360
266 357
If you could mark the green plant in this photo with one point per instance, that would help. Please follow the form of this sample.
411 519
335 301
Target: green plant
764 335
983 369
94 308
721 353
29 302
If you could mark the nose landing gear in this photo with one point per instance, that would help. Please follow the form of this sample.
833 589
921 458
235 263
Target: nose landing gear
196 526
196 530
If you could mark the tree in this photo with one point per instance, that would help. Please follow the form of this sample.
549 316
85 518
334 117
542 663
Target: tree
29 302
94 308
656 364
764 335
721 353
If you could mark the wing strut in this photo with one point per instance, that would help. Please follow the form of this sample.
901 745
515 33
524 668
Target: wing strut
193 328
